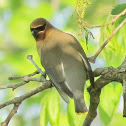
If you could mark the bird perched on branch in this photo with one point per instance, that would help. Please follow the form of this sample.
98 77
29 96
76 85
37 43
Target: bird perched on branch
64 60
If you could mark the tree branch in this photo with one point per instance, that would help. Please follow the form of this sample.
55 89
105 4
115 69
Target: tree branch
29 75
18 100
21 98
108 74
11 114
26 79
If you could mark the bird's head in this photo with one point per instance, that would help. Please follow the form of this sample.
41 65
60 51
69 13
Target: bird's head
38 28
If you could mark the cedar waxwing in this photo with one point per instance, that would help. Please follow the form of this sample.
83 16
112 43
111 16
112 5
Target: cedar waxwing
64 60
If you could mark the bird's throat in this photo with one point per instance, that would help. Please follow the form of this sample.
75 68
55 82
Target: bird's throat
39 36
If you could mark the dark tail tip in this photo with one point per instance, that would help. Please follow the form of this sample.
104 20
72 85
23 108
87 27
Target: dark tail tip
85 113
80 106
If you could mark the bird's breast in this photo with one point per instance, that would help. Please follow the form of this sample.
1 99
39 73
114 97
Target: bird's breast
49 54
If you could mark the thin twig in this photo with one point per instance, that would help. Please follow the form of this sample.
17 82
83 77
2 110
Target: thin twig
111 22
43 73
93 58
13 86
30 57
26 80
11 114
18 100
29 75
21 98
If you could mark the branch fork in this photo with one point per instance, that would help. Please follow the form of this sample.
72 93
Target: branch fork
26 79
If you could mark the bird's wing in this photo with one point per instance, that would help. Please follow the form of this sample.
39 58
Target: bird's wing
89 70
57 75
63 95
78 47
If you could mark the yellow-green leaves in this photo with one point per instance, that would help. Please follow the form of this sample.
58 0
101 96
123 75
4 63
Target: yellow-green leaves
50 109
118 9
43 115
52 113
63 121
115 49
109 99
73 118
53 108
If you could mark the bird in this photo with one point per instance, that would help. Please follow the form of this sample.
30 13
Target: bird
64 61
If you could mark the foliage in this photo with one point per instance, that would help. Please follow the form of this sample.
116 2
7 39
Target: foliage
118 9
109 101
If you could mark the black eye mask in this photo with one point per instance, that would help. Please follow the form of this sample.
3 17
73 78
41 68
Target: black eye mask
38 29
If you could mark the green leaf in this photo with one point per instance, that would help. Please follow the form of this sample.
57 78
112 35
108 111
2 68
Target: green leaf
108 102
53 107
71 113
115 49
118 120
43 114
37 98
63 121
73 118
118 9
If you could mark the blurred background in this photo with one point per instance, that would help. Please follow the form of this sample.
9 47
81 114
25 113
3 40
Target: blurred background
16 42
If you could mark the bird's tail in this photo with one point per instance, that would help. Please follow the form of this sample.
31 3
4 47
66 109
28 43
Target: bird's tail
80 106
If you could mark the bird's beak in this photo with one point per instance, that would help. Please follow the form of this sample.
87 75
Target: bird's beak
33 32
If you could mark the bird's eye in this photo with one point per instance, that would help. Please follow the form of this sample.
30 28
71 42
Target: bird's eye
32 29
38 29
41 28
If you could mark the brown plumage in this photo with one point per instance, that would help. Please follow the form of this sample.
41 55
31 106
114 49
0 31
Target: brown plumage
64 61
